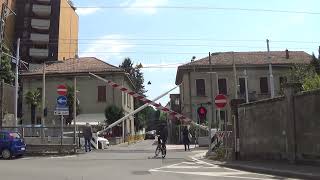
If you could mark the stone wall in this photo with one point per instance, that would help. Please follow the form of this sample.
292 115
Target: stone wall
307 118
283 128
261 127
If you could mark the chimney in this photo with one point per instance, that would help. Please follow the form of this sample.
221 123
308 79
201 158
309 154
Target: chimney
287 54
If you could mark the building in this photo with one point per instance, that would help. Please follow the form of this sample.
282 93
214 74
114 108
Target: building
93 94
9 22
174 130
48 30
196 91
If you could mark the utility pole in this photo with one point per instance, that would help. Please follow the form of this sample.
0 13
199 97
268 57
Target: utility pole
235 77
246 85
270 71
213 119
43 93
75 106
16 95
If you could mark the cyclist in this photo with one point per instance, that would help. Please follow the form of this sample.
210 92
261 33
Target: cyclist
162 139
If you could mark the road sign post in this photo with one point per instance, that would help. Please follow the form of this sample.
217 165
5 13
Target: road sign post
220 102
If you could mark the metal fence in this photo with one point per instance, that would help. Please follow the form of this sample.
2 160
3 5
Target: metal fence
46 135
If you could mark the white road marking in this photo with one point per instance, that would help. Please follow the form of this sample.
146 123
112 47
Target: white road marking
212 174
61 157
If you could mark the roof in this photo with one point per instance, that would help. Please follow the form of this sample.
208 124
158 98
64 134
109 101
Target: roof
254 58
71 66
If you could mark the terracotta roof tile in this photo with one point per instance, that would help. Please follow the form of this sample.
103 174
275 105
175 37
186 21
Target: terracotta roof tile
253 58
81 65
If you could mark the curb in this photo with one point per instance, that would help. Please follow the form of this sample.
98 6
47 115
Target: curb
286 173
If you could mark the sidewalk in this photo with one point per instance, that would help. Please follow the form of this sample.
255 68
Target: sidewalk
273 168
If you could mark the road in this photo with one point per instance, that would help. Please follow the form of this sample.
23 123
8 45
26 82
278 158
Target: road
134 162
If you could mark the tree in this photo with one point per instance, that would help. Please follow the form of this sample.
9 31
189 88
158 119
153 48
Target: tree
305 75
311 83
5 67
113 113
33 98
70 100
315 62
135 74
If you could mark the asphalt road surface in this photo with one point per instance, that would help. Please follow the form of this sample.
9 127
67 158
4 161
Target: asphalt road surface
134 162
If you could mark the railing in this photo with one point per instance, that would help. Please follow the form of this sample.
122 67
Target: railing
45 135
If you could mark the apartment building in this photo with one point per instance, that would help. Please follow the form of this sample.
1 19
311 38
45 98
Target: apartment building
6 8
48 30
196 91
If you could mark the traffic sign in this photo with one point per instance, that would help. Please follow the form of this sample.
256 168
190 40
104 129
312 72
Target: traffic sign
220 101
61 113
62 90
62 101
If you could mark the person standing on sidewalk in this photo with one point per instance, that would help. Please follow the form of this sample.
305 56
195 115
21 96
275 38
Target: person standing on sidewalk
87 134
186 140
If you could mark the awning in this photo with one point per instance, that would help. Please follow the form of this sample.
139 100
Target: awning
92 119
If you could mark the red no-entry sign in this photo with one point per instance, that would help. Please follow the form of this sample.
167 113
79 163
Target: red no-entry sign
62 90
220 101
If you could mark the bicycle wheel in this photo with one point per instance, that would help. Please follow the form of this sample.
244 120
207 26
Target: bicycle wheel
164 152
157 152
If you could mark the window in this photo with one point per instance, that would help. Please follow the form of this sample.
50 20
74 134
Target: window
222 83
129 101
201 88
264 85
102 94
38 119
124 99
177 102
242 83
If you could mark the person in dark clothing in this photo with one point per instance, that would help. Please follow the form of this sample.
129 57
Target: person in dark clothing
87 134
163 135
186 140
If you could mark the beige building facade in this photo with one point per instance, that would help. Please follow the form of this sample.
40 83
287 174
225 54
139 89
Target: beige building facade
197 87
93 94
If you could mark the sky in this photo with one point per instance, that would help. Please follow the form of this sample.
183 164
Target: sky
162 34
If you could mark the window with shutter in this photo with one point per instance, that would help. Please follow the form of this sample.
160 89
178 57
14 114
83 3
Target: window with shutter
222 83
264 88
102 94
201 87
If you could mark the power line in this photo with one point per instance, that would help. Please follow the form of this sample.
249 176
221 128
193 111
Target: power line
183 39
203 8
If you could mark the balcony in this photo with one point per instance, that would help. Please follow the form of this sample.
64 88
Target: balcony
40 38
45 1
41 24
41 10
38 53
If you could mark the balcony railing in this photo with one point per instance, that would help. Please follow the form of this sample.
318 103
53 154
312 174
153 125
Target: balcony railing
41 24
41 10
41 38
40 53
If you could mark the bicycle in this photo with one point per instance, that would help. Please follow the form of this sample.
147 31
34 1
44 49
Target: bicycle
161 148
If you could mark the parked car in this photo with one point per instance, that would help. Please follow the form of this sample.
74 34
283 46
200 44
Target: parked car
150 134
11 144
